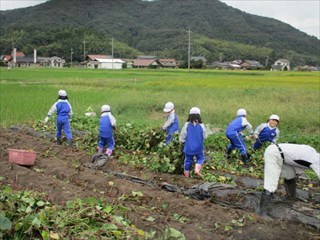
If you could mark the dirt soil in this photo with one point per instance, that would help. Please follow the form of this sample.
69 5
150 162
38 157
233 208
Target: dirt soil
60 172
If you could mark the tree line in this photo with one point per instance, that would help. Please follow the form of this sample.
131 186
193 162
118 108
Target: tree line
81 41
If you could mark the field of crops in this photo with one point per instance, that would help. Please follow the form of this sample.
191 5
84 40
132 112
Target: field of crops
142 210
139 96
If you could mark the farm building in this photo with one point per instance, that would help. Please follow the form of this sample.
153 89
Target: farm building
99 63
93 57
146 63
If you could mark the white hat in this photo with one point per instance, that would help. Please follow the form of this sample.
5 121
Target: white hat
274 117
194 110
105 108
62 93
168 107
241 112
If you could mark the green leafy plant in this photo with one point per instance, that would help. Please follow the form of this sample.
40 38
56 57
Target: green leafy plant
28 214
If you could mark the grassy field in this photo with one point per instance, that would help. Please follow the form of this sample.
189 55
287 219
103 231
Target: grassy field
138 96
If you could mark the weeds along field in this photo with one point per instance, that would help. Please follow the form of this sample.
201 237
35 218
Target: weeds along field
138 96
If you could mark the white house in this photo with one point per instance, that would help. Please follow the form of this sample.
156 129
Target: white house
100 63
55 62
281 65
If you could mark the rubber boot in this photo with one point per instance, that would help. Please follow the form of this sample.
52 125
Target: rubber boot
100 150
186 173
197 170
59 142
244 158
109 152
264 202
291 188
70 143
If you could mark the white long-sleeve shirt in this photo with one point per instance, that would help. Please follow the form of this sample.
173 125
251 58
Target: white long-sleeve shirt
58 104
169 120
112 118
263 126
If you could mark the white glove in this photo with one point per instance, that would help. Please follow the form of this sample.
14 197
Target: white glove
46 119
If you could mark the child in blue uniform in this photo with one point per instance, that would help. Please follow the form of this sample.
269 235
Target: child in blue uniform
192 135
267 132
64 113
106 126
234 134
171 125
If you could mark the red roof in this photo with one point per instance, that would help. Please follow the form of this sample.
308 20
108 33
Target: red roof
7 58
18 54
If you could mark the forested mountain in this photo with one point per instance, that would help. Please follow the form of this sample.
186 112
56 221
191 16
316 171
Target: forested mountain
158 27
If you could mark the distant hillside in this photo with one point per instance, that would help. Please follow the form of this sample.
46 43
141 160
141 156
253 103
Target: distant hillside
155 27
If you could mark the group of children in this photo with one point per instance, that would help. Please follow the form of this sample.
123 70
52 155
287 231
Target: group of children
265 132
285 159
64 112
192 134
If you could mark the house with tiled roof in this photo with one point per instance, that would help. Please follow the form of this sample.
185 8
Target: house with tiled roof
7 58
281 65
146 63
92 57
54 61
251 64
168 62
19 59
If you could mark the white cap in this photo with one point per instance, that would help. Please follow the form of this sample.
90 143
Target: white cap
105 108
194 110
274 117
241 112
62 93
168 107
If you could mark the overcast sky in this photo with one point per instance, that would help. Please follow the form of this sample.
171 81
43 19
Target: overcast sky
301 14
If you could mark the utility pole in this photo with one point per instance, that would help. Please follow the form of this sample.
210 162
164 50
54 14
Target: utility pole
189 49
71 52
267 62
112 50
84 50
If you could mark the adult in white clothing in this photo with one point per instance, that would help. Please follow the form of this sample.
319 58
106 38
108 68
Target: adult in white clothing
286 160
